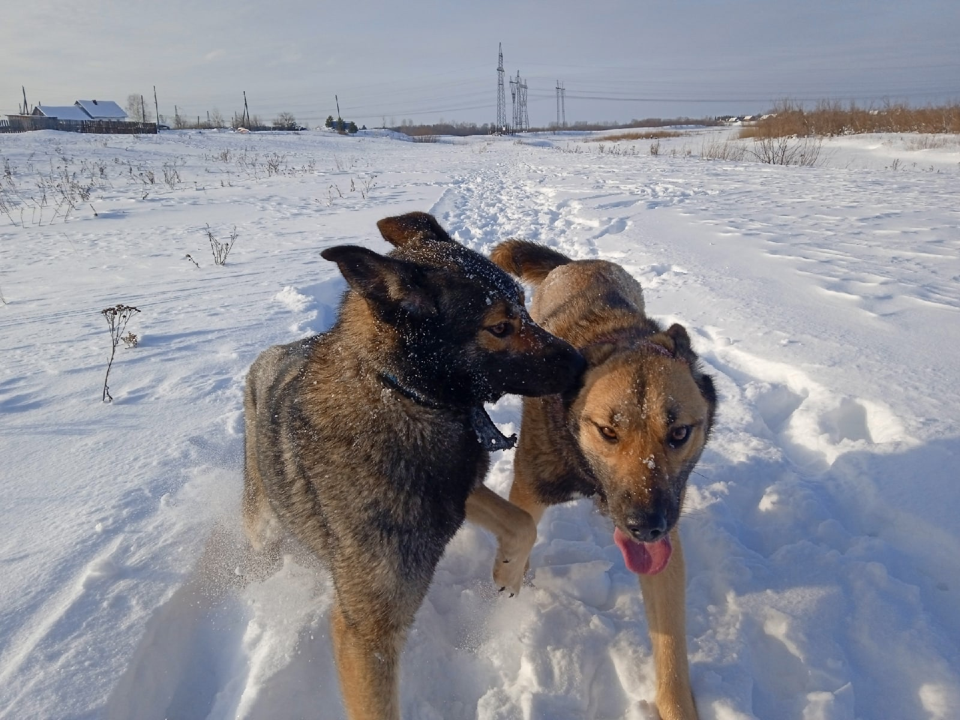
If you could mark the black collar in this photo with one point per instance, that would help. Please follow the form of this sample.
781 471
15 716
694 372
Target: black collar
488 434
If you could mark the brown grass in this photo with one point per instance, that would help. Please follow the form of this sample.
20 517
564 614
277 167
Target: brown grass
647 135
831 118
714 149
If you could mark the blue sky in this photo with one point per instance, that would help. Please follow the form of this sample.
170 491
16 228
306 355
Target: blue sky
431 60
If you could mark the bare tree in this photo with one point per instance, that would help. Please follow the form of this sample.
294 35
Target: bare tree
216 119
136 109
285 121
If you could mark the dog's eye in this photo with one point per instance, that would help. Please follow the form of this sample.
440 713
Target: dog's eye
678 436
608 433
501 329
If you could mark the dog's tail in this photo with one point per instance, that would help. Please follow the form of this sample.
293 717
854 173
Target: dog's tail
527 260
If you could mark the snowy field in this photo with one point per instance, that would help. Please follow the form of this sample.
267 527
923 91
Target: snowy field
822 528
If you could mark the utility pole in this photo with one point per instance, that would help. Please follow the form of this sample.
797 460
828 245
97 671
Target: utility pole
514 102
143 110
26 109
558 104
501 126
246 111
156 106
563 104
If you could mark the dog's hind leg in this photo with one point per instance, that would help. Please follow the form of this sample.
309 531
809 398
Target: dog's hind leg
262 528
664 602
368 665
260 522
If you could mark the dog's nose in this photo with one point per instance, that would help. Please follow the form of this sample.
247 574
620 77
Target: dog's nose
579 362
564 353
564 360
647 527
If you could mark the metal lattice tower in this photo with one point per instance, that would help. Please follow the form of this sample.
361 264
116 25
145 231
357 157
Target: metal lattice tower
524 116
514 86
518 93
501 98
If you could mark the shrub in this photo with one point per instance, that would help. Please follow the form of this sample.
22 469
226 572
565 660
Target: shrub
219 249
285 121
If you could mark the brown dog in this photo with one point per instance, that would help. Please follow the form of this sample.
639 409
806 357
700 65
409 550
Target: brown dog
365 442
628 438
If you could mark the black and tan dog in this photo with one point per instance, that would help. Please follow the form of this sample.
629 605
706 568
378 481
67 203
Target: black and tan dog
628 437
365 442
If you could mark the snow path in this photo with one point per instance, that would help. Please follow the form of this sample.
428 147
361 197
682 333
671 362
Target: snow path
820 532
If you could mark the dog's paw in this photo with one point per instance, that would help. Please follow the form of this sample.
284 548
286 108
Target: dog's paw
513 559
508 573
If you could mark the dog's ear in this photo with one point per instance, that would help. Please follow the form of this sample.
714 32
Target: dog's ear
682 350
412 227
388 282
681 343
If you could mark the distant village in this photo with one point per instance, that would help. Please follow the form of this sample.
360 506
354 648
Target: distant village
107 117
85 116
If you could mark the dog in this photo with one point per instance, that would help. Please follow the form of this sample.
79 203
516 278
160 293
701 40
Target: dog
628 436
369 443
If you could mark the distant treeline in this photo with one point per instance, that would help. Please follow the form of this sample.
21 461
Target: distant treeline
464 129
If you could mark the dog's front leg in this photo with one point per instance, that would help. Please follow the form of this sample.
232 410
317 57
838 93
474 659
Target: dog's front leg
515 530
665 603
368 665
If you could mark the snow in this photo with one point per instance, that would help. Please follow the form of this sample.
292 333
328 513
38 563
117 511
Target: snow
102 109
64 112
820 532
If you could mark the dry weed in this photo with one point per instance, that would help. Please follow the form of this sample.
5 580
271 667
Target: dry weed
646 135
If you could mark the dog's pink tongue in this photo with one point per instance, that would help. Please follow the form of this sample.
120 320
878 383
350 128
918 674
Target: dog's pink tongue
643 558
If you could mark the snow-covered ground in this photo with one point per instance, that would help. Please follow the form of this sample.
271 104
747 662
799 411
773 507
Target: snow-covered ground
821 533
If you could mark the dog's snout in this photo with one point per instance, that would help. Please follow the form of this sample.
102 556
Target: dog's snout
558 350
563 353
538 363
647 527
569 360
